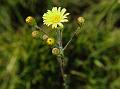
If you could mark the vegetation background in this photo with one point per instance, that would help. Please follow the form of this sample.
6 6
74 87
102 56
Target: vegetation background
93 57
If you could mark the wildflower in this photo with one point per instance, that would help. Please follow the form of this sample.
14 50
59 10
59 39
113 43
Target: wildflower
50 41
30 20
81 20
55 17
35 34
55 51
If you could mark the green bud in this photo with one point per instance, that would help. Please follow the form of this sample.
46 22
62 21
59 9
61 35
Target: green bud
81 21
35 34
55 51
45 37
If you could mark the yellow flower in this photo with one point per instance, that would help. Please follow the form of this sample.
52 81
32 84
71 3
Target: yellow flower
55 17
50 41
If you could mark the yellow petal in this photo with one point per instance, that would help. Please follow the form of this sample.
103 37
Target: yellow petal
59 9
61 25
65 20
63 11
54 26
66 14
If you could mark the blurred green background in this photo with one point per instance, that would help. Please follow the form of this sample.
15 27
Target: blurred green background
93 57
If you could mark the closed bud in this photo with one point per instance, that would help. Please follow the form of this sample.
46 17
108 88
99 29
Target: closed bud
81 20
50 41
30 20
45 37
35 34
55 51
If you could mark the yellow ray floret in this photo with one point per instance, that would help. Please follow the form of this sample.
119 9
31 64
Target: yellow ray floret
55 17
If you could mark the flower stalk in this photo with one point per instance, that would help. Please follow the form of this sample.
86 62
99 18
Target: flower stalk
60 58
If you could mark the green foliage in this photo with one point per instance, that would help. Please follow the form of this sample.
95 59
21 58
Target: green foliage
93 56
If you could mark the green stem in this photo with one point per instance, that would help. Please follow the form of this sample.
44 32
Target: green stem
61 62
61 58
37 27
71 38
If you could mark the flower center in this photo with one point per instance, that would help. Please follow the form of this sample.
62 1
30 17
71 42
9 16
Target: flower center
56 19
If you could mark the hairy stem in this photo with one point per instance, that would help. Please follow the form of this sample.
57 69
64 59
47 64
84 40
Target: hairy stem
61 58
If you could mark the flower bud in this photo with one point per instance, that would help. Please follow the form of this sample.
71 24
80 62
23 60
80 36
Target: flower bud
81 20
55 51
35 34
50 41
30 20
45 37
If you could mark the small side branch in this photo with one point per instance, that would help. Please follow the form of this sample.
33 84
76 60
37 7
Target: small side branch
37 27
71 38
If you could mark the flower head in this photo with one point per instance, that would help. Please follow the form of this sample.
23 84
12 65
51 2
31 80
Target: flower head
55 17
50 41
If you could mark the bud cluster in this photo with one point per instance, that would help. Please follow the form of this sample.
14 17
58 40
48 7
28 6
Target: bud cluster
50 41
